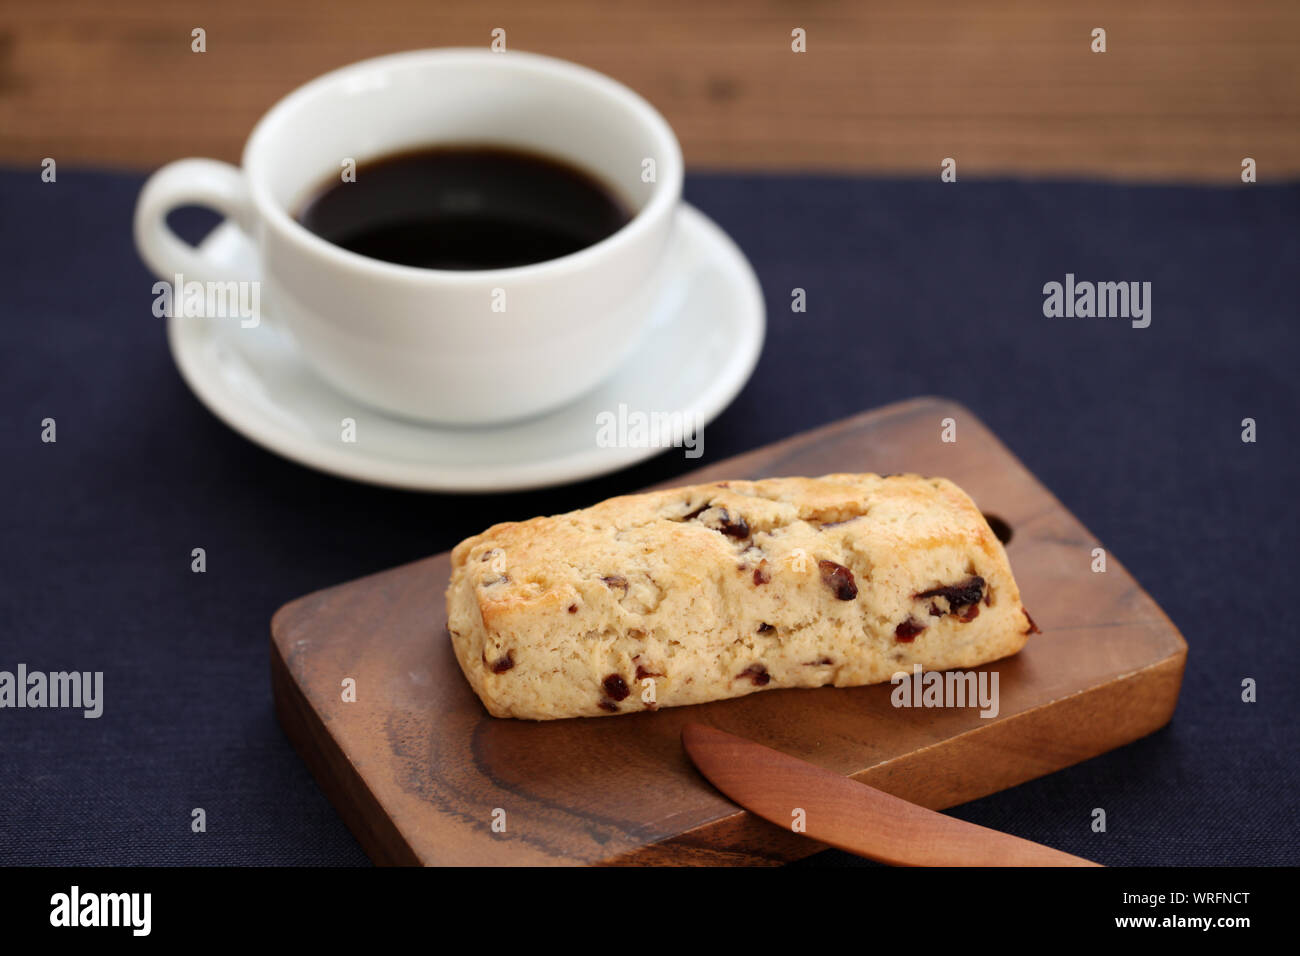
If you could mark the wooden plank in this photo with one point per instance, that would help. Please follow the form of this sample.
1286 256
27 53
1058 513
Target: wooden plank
1184 91
417 768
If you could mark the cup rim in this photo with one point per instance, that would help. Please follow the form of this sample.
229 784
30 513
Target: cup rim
669 173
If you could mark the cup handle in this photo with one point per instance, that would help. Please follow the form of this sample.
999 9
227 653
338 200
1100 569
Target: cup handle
190 182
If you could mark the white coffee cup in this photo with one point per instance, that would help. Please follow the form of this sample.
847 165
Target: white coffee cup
461 347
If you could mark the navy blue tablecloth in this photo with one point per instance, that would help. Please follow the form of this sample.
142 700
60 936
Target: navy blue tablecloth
912 288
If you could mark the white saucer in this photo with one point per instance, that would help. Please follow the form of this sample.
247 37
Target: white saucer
699 352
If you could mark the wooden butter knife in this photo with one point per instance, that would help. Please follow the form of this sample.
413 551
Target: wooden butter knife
850 815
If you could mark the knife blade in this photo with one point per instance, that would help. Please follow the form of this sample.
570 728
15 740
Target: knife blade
849 815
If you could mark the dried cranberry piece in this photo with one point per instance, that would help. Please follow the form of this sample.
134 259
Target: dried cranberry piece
907 631
765 628
504 664
957 595
642 673
608 705
721 521
968 613
573 609
761 573
824 662
839 579
616 687
757 675
1033 628
733 528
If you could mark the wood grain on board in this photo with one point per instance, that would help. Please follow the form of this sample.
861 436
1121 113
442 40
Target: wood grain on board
417 768
1185 89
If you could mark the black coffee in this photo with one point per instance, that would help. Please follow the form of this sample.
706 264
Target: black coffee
460 207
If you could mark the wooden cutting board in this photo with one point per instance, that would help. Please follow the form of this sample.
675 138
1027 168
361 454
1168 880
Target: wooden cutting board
419 771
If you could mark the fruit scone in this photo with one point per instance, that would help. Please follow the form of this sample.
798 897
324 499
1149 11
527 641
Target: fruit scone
718 590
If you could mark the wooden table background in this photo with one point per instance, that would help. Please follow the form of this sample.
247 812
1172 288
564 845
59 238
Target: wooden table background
1186 89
